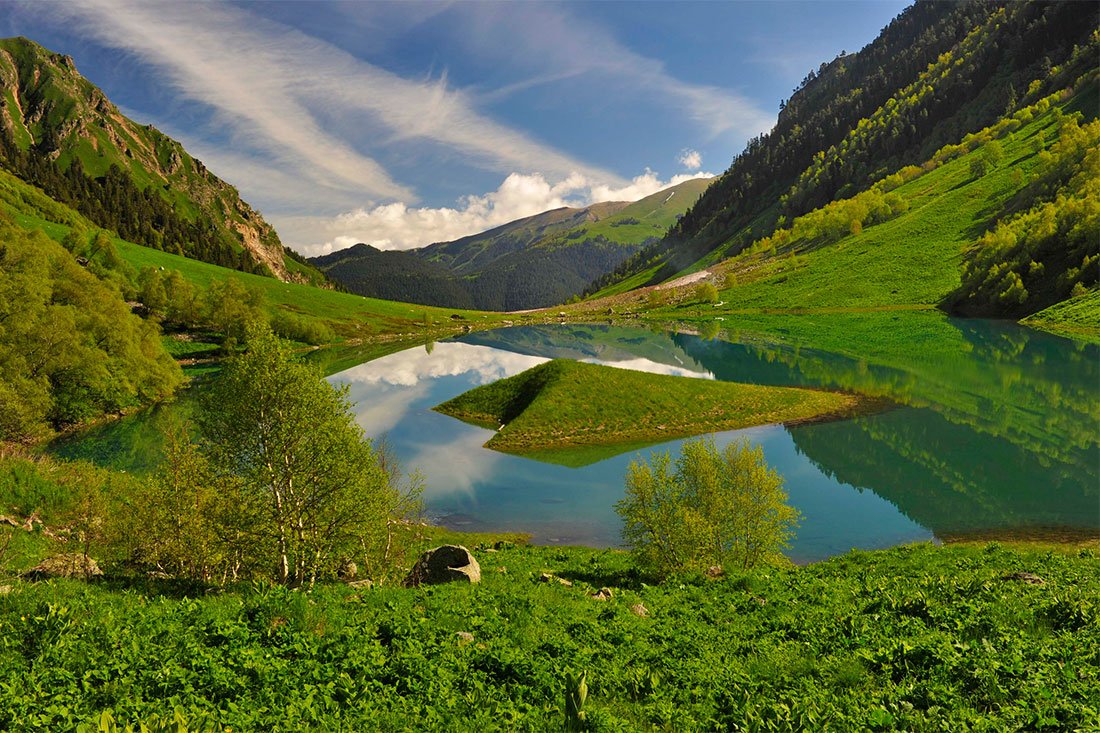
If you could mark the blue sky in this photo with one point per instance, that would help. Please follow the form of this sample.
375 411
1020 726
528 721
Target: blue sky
402 124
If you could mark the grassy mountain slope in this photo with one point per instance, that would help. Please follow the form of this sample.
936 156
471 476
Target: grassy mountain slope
917 238
349 316
59 131
533 262
938 72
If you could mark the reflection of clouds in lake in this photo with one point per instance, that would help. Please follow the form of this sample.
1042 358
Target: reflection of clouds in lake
653 367
457 466
408 368
379 408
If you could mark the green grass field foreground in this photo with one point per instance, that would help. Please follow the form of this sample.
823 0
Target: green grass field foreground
552 410
916 638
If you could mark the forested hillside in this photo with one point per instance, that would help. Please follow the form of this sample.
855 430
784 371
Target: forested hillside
938 72
534 262
61 133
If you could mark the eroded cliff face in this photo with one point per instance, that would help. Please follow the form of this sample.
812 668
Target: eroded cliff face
48 109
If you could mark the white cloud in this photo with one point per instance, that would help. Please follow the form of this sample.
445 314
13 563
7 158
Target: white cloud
690 159
400 226
266 82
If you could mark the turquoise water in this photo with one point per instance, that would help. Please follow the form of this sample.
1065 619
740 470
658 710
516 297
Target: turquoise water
995 431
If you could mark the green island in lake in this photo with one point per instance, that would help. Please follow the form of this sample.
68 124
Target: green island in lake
559 410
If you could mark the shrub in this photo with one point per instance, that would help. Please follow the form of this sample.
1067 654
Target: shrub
718 507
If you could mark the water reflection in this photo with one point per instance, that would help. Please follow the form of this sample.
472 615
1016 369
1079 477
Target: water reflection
997 428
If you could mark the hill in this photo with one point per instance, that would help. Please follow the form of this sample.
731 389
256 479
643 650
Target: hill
60 132
534 262
557 410
1004 223
938 72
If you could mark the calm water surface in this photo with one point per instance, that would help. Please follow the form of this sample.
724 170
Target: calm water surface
996 430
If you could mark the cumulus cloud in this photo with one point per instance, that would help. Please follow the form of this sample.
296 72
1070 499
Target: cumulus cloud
400 226
690 159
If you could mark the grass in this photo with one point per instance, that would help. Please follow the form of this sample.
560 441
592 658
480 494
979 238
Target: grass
1077 318
914 638
562 406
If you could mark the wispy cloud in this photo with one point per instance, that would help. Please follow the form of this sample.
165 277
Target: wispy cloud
266 82
553 44
400 226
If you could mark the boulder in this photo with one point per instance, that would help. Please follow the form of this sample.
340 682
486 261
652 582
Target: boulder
71 565
444 564
603 594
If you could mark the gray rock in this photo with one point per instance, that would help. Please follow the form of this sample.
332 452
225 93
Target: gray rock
445 564
72 565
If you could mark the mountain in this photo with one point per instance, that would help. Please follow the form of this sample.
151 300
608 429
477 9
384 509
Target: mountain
61 133
534 262
938 72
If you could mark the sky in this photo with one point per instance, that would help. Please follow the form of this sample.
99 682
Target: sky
402 124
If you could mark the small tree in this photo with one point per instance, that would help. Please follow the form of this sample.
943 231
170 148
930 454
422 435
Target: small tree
718 507
291 440
706 292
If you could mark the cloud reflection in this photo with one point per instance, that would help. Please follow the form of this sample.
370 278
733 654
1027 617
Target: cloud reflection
411 367
653 367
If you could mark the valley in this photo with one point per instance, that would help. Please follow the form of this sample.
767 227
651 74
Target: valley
809 444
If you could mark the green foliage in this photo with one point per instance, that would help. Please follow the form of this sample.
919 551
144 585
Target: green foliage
315 492
914 638
723 508
185 521
70 350
1040 255
706 293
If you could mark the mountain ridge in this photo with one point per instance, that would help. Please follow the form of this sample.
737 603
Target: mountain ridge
60 131
536 261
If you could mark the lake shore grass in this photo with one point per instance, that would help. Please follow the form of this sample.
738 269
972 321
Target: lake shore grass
564 405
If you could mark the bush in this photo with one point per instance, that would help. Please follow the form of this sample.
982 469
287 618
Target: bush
706 293
718 507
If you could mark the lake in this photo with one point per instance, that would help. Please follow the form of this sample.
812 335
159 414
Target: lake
994 433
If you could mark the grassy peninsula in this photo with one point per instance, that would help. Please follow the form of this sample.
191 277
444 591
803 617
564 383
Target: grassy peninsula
565 405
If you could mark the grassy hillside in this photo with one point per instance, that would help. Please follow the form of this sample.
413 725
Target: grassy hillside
938 72
350 316
60 132
565 405
539 261
904 242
